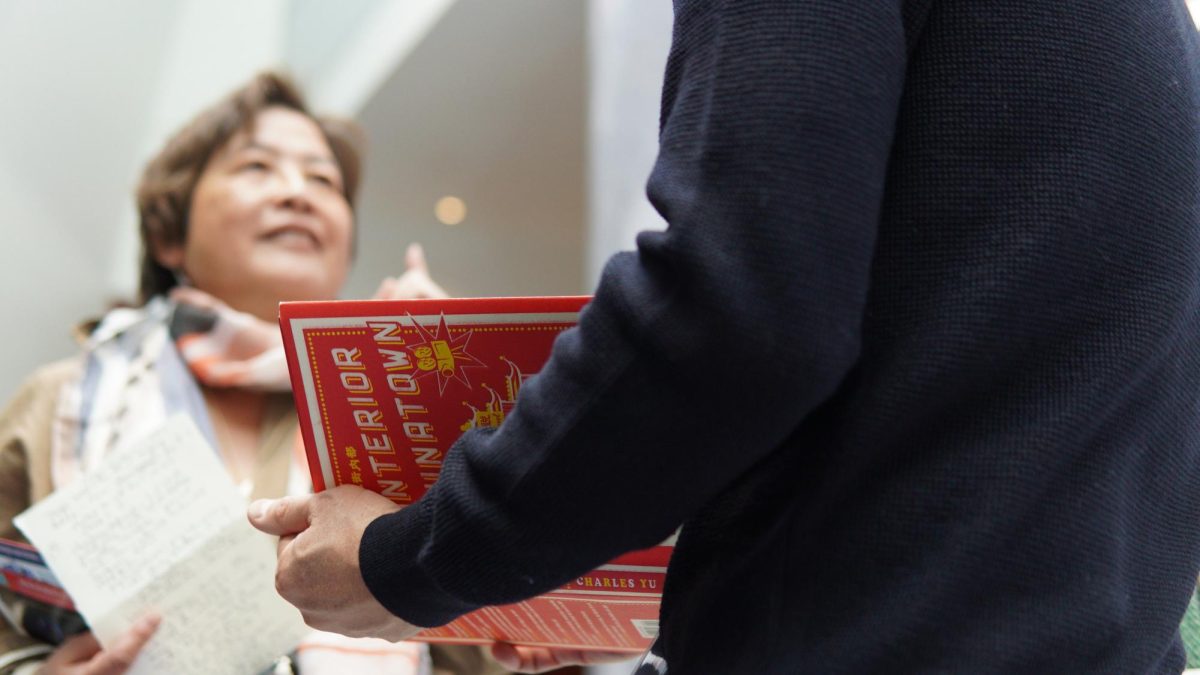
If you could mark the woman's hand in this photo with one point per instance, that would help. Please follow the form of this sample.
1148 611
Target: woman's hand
83 655
415 283
523 659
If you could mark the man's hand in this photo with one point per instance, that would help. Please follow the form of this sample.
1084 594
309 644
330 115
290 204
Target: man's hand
523 659
318 560
82 654
415 283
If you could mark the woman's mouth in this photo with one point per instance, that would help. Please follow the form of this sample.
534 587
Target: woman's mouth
294 237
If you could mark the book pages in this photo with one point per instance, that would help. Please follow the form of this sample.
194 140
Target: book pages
160 527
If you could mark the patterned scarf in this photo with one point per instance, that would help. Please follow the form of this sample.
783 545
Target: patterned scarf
139 367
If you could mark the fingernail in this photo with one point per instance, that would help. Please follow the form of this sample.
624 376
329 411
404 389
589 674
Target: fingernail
258 509
147 623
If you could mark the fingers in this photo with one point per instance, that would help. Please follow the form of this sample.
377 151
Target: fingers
412 285
506 655
195 297
525 659
541 659
283 543
516 659
223 373
289 515
414 258
594 658
77 649
120 657
386 290
415 283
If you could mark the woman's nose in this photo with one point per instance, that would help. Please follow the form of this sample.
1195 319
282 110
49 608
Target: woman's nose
293 187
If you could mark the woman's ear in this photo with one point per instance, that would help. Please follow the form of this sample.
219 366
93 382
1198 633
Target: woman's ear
169 256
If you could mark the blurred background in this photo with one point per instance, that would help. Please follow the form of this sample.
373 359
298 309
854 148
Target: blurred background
513 139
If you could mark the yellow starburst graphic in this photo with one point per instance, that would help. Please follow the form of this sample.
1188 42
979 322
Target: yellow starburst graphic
444 355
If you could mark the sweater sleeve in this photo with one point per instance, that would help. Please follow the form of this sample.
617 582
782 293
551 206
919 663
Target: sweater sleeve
707 347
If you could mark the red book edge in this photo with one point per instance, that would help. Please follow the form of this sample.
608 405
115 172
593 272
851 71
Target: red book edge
329 309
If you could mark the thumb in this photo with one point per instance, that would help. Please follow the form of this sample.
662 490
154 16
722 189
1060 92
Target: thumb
507 656
189 295
523 659
289 515
414 258
78 648
124 651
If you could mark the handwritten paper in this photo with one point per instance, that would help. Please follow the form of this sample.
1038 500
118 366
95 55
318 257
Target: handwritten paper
159 526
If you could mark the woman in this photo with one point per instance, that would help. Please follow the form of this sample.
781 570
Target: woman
249 205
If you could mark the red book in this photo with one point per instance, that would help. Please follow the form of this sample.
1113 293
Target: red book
384 388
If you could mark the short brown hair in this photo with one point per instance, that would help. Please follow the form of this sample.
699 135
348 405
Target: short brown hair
164 193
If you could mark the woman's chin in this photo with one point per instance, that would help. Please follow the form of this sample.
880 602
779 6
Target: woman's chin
303 280
296 287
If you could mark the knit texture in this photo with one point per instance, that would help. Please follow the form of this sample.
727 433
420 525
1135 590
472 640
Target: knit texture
916 364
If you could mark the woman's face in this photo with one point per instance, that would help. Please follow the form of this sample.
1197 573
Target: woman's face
268 219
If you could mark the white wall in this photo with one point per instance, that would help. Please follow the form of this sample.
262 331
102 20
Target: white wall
72 78
90 89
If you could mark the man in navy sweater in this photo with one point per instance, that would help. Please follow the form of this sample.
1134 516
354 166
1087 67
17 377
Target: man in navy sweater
916 363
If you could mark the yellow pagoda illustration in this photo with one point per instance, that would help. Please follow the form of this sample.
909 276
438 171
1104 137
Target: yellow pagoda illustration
494 412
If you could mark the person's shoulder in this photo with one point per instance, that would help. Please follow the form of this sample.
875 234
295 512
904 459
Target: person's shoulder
26 420
44 383
52 375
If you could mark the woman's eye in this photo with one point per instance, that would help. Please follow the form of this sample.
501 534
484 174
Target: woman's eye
322 179
254 166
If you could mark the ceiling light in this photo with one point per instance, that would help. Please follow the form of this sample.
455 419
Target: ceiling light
450 210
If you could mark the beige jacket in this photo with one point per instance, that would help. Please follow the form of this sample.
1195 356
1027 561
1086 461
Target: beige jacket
25 427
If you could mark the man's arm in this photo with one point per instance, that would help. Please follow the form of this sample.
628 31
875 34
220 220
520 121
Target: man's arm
705 349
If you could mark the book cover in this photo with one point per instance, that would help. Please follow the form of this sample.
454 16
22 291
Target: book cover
383 388
32 599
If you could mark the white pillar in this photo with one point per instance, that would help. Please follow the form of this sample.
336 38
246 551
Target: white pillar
73 77
628 42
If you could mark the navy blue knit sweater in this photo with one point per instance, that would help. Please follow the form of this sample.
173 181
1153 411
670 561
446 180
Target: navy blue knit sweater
916 364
